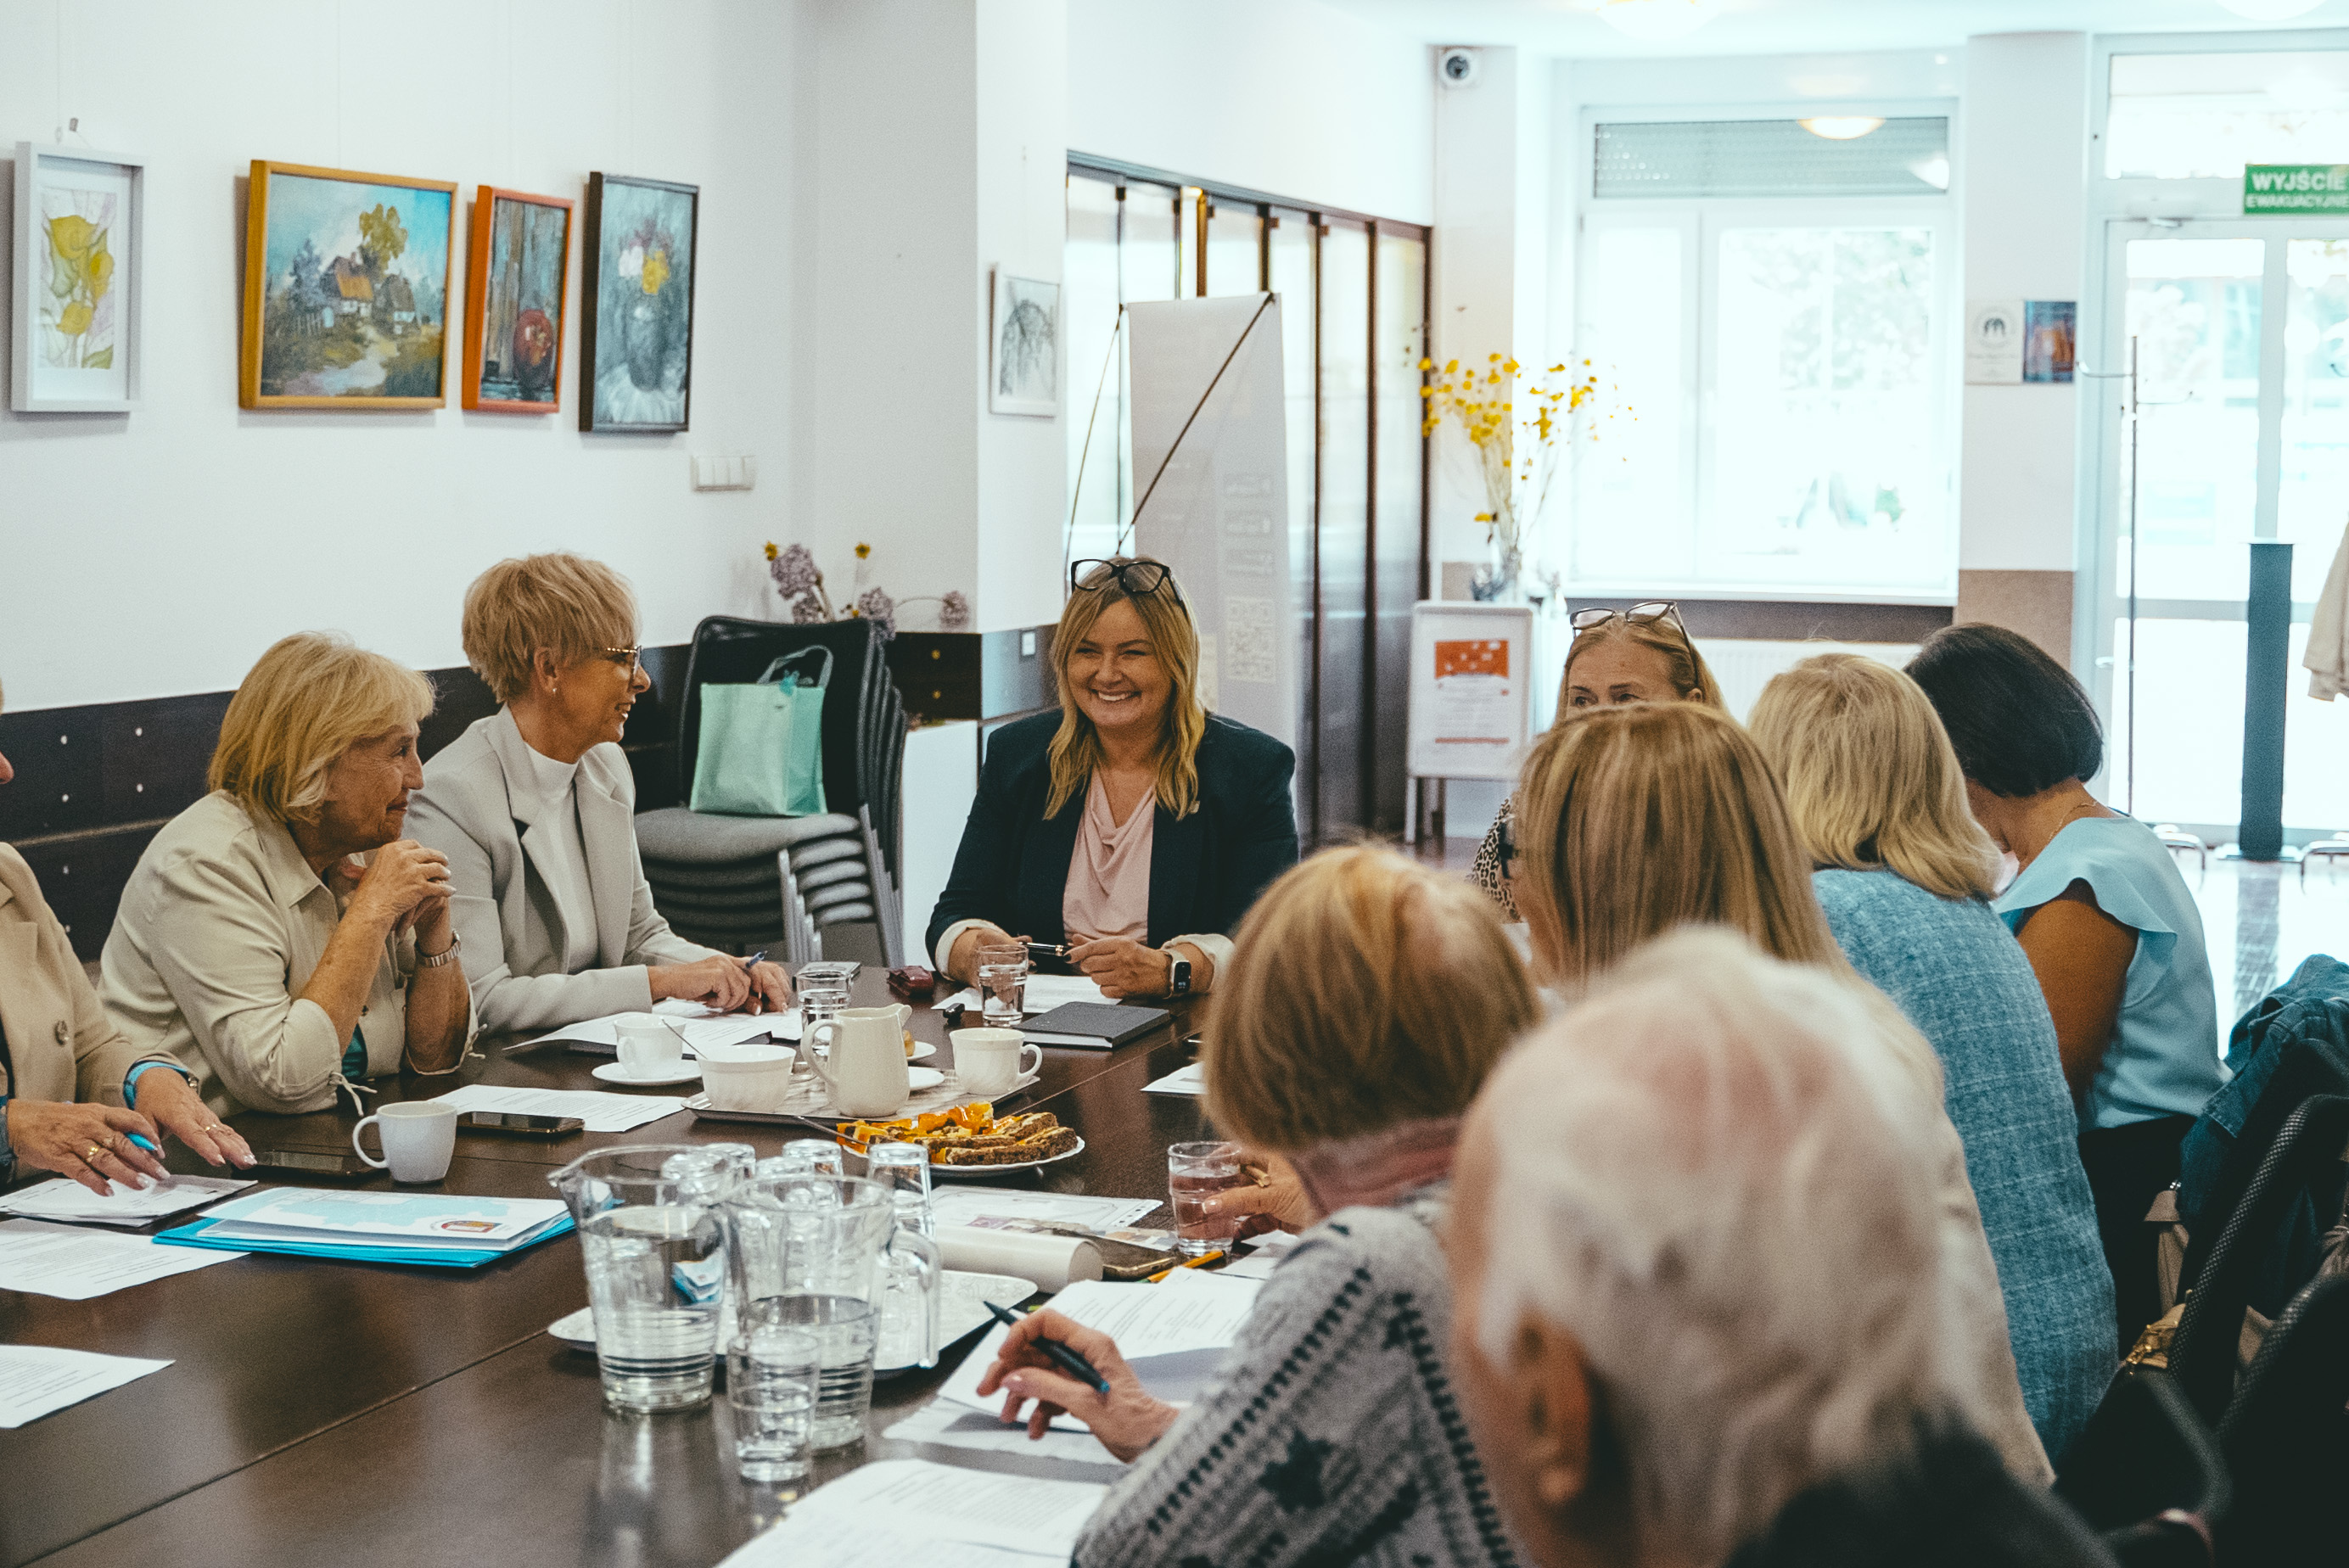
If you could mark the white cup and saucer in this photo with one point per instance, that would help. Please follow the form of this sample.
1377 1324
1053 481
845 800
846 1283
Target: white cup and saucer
651 1055
993 1062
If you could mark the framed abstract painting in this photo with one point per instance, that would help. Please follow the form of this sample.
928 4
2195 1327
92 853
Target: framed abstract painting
514 292
75 338
635 315
345 290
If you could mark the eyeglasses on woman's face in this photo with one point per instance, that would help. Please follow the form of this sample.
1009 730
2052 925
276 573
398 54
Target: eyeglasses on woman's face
629 659
1643 613
1133 578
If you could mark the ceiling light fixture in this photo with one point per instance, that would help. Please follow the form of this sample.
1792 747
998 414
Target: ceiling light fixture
1656 21
1841 127
2271 10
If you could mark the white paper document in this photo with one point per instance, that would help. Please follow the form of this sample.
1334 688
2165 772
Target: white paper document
601 1112
74 1264
977 1205
905 1510
953 1426
695 1023
1044 993
1171 1333
36 1379
429 1220
1192 1079
70 1201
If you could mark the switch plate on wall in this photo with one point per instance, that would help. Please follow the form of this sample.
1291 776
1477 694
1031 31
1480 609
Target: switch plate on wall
724 473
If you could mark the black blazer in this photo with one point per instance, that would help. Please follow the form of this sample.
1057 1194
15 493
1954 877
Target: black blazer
1205 870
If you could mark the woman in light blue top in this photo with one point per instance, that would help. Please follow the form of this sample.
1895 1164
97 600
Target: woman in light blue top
2106 920
1875 794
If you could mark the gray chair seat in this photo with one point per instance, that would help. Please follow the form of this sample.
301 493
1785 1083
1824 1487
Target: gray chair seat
681 837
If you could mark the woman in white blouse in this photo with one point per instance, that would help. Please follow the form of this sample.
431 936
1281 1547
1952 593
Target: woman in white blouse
535 808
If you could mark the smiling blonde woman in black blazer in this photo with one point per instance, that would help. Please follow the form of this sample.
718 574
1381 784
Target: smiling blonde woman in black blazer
1133 824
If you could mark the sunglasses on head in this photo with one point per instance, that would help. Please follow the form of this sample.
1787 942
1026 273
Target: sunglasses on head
1134 578
1647 612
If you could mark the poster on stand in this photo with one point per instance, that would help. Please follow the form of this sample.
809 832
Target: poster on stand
1471 689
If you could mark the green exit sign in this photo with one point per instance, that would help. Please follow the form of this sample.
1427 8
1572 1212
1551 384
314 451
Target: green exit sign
2296 188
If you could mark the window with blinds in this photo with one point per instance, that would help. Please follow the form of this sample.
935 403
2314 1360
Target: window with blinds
1695 159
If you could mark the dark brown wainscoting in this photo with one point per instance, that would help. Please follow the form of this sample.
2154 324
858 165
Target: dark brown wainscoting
94 784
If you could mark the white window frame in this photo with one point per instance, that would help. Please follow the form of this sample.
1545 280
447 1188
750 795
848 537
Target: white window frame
1701 221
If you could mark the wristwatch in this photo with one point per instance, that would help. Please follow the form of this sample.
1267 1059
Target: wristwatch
1178 973
441 959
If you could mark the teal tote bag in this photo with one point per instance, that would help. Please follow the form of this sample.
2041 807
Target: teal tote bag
762 744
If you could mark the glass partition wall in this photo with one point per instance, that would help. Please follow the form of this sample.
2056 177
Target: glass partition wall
1353 296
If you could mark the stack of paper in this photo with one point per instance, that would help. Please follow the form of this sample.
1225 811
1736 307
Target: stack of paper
74 1264
696 1024
378 1227
36 1379
909 1511
70 1201
602 1112
1191 1080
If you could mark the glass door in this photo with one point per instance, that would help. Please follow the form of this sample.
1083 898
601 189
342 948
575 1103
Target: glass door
2238 328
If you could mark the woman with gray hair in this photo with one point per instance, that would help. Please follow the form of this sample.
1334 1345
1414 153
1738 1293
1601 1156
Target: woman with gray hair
1703 1312
535 808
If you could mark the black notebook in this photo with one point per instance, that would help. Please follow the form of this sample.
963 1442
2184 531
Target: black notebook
1094 1025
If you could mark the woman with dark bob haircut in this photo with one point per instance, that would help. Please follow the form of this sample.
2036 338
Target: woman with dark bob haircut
2103 915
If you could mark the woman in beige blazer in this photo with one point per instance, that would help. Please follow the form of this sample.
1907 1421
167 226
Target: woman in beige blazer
535 808
68 1077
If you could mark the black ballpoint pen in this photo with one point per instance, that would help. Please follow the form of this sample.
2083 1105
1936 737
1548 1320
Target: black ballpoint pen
1061 1355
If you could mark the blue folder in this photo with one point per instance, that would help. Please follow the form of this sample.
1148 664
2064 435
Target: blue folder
453 1258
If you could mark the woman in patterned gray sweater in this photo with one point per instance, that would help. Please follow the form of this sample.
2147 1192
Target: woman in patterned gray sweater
1331 1433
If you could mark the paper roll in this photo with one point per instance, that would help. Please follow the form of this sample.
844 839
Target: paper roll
1052 1262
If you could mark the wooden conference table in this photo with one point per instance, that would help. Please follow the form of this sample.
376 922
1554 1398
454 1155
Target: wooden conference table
346 1414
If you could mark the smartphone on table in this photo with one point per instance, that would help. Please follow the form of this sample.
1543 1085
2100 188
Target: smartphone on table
511 1124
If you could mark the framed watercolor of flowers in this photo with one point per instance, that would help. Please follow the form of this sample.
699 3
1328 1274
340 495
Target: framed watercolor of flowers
636 317
75 339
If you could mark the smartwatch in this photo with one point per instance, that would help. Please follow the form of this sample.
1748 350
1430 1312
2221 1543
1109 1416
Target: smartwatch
1178 973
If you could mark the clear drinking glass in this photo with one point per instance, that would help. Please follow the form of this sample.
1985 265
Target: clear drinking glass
904 1169
771 1376
1196 1173
1003 982
806 1157
819 999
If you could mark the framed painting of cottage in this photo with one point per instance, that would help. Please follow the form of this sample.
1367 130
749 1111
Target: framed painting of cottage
513 302
345 290
636 305
75 338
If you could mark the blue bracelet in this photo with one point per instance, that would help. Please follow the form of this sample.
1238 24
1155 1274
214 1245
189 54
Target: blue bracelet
131 1080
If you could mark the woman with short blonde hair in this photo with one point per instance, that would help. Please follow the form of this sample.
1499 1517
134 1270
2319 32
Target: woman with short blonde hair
1634 821
1876 796
250 941
1133 827
535 808
1360 1080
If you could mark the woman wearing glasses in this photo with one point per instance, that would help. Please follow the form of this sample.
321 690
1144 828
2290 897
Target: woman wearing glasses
535 808
1640 654
1132 825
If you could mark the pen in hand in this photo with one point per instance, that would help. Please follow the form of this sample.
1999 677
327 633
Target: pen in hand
1060 1355
758 1003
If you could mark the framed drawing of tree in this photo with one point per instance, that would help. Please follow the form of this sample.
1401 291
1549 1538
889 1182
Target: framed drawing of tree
636 307
345 290
75 338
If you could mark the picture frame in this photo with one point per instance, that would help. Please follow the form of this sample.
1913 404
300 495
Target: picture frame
638 276
517 286
79 246
345 290
1023 346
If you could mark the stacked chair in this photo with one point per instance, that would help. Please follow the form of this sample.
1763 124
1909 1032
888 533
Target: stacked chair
781 883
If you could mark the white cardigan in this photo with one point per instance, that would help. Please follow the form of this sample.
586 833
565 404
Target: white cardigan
479 806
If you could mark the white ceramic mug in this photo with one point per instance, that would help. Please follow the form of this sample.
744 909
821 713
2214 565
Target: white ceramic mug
747 1077
649 1048
419 1137
991 1061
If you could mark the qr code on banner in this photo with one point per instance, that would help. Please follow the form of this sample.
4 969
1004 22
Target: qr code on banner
1249 640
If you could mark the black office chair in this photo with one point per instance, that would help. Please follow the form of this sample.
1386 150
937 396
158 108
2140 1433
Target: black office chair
2302 1169
742 882
2286 1436
2148 1475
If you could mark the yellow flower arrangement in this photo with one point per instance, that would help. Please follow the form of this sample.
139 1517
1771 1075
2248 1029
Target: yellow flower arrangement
1518 427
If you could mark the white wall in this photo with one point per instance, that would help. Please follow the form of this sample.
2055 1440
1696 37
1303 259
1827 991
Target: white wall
1288 97
160 553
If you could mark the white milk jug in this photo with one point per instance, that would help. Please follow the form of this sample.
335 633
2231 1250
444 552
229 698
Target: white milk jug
865 1074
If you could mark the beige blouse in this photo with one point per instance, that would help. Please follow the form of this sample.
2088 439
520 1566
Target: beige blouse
1108 892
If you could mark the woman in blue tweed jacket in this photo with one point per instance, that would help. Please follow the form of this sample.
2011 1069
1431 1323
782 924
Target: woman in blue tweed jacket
1876 796
1330 1432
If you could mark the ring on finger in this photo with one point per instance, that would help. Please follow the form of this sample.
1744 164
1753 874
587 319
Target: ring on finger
96 1154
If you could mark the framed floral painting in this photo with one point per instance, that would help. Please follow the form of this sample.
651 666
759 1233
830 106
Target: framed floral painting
636 315
75 338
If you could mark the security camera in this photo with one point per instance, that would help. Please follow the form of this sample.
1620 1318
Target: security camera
1457 68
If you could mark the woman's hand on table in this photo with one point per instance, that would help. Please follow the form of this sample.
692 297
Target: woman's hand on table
1123 967
1126 1420
52 1135
166 1097
717 982
1277 1203
962 959
770 989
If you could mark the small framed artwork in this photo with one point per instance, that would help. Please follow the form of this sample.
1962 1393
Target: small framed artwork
513 302
75 338
1023 375
345 290
636 307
